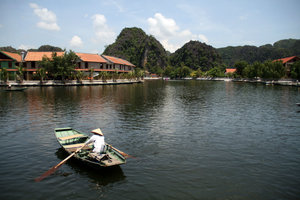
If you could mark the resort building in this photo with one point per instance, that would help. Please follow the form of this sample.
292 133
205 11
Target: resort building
119 64
230 70
85 62
287 62
90 61
10 61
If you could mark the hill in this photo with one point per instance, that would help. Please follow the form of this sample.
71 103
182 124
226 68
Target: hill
134 45
250 54
196 55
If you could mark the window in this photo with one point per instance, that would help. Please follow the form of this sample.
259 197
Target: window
10 64
86 65
32 64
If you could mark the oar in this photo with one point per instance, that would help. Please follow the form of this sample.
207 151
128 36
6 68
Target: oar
121 152
53 169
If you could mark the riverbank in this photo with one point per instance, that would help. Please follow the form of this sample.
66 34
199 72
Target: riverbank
286 82
68 83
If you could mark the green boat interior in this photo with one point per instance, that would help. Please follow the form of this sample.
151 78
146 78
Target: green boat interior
71 140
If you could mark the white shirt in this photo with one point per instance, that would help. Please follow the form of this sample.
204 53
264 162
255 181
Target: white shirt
99 143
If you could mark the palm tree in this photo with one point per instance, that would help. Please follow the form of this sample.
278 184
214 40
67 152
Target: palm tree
115 76
104 76
20 74
41 73
4 75
79 76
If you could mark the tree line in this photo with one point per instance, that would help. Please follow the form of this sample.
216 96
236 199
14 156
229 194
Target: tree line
265 70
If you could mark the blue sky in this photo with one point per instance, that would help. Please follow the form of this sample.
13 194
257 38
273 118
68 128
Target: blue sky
87 26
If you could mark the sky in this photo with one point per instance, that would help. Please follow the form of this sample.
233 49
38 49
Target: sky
88 26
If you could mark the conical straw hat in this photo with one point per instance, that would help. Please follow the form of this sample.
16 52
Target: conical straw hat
97 131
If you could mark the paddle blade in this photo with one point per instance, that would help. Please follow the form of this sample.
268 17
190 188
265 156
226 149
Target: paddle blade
47 173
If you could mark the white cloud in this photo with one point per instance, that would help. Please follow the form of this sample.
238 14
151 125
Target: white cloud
203 38
76 41
103 34
114 4
48 26
47 18
169 34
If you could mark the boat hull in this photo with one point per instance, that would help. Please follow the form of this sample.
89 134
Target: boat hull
71 139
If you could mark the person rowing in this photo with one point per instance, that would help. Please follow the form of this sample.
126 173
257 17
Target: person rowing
98 140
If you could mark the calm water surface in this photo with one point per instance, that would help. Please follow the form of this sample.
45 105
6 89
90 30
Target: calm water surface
192 140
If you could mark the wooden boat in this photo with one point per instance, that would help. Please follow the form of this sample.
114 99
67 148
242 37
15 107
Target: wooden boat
71 139
15 89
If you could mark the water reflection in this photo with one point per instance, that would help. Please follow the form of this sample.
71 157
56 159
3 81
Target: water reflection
100 177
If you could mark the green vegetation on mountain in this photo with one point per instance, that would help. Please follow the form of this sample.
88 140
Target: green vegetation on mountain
144 51
11 49
251 54
196 55
46 48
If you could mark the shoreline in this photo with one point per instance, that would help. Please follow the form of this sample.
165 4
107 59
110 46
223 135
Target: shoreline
283 82
68 83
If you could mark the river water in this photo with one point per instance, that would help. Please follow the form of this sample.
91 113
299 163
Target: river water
191 140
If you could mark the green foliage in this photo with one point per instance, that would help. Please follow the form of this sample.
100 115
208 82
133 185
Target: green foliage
272 70
139 73
79 75
168 71
196 55
295 70
20 73
251 54
41 74
215 72
4 75
104 76
240 66
266 70
60 67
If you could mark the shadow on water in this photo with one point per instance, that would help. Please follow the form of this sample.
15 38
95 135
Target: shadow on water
101 176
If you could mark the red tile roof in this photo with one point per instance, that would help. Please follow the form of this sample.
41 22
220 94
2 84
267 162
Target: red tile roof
15 56
88 57
285 60
230 70
118 60
38 56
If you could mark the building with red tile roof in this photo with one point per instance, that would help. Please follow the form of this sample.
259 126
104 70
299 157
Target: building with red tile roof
15 56
9 61
230 70
33 56
288 60
85 62
90 61
119 64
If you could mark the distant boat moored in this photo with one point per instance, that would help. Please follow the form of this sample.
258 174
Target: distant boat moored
15 89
